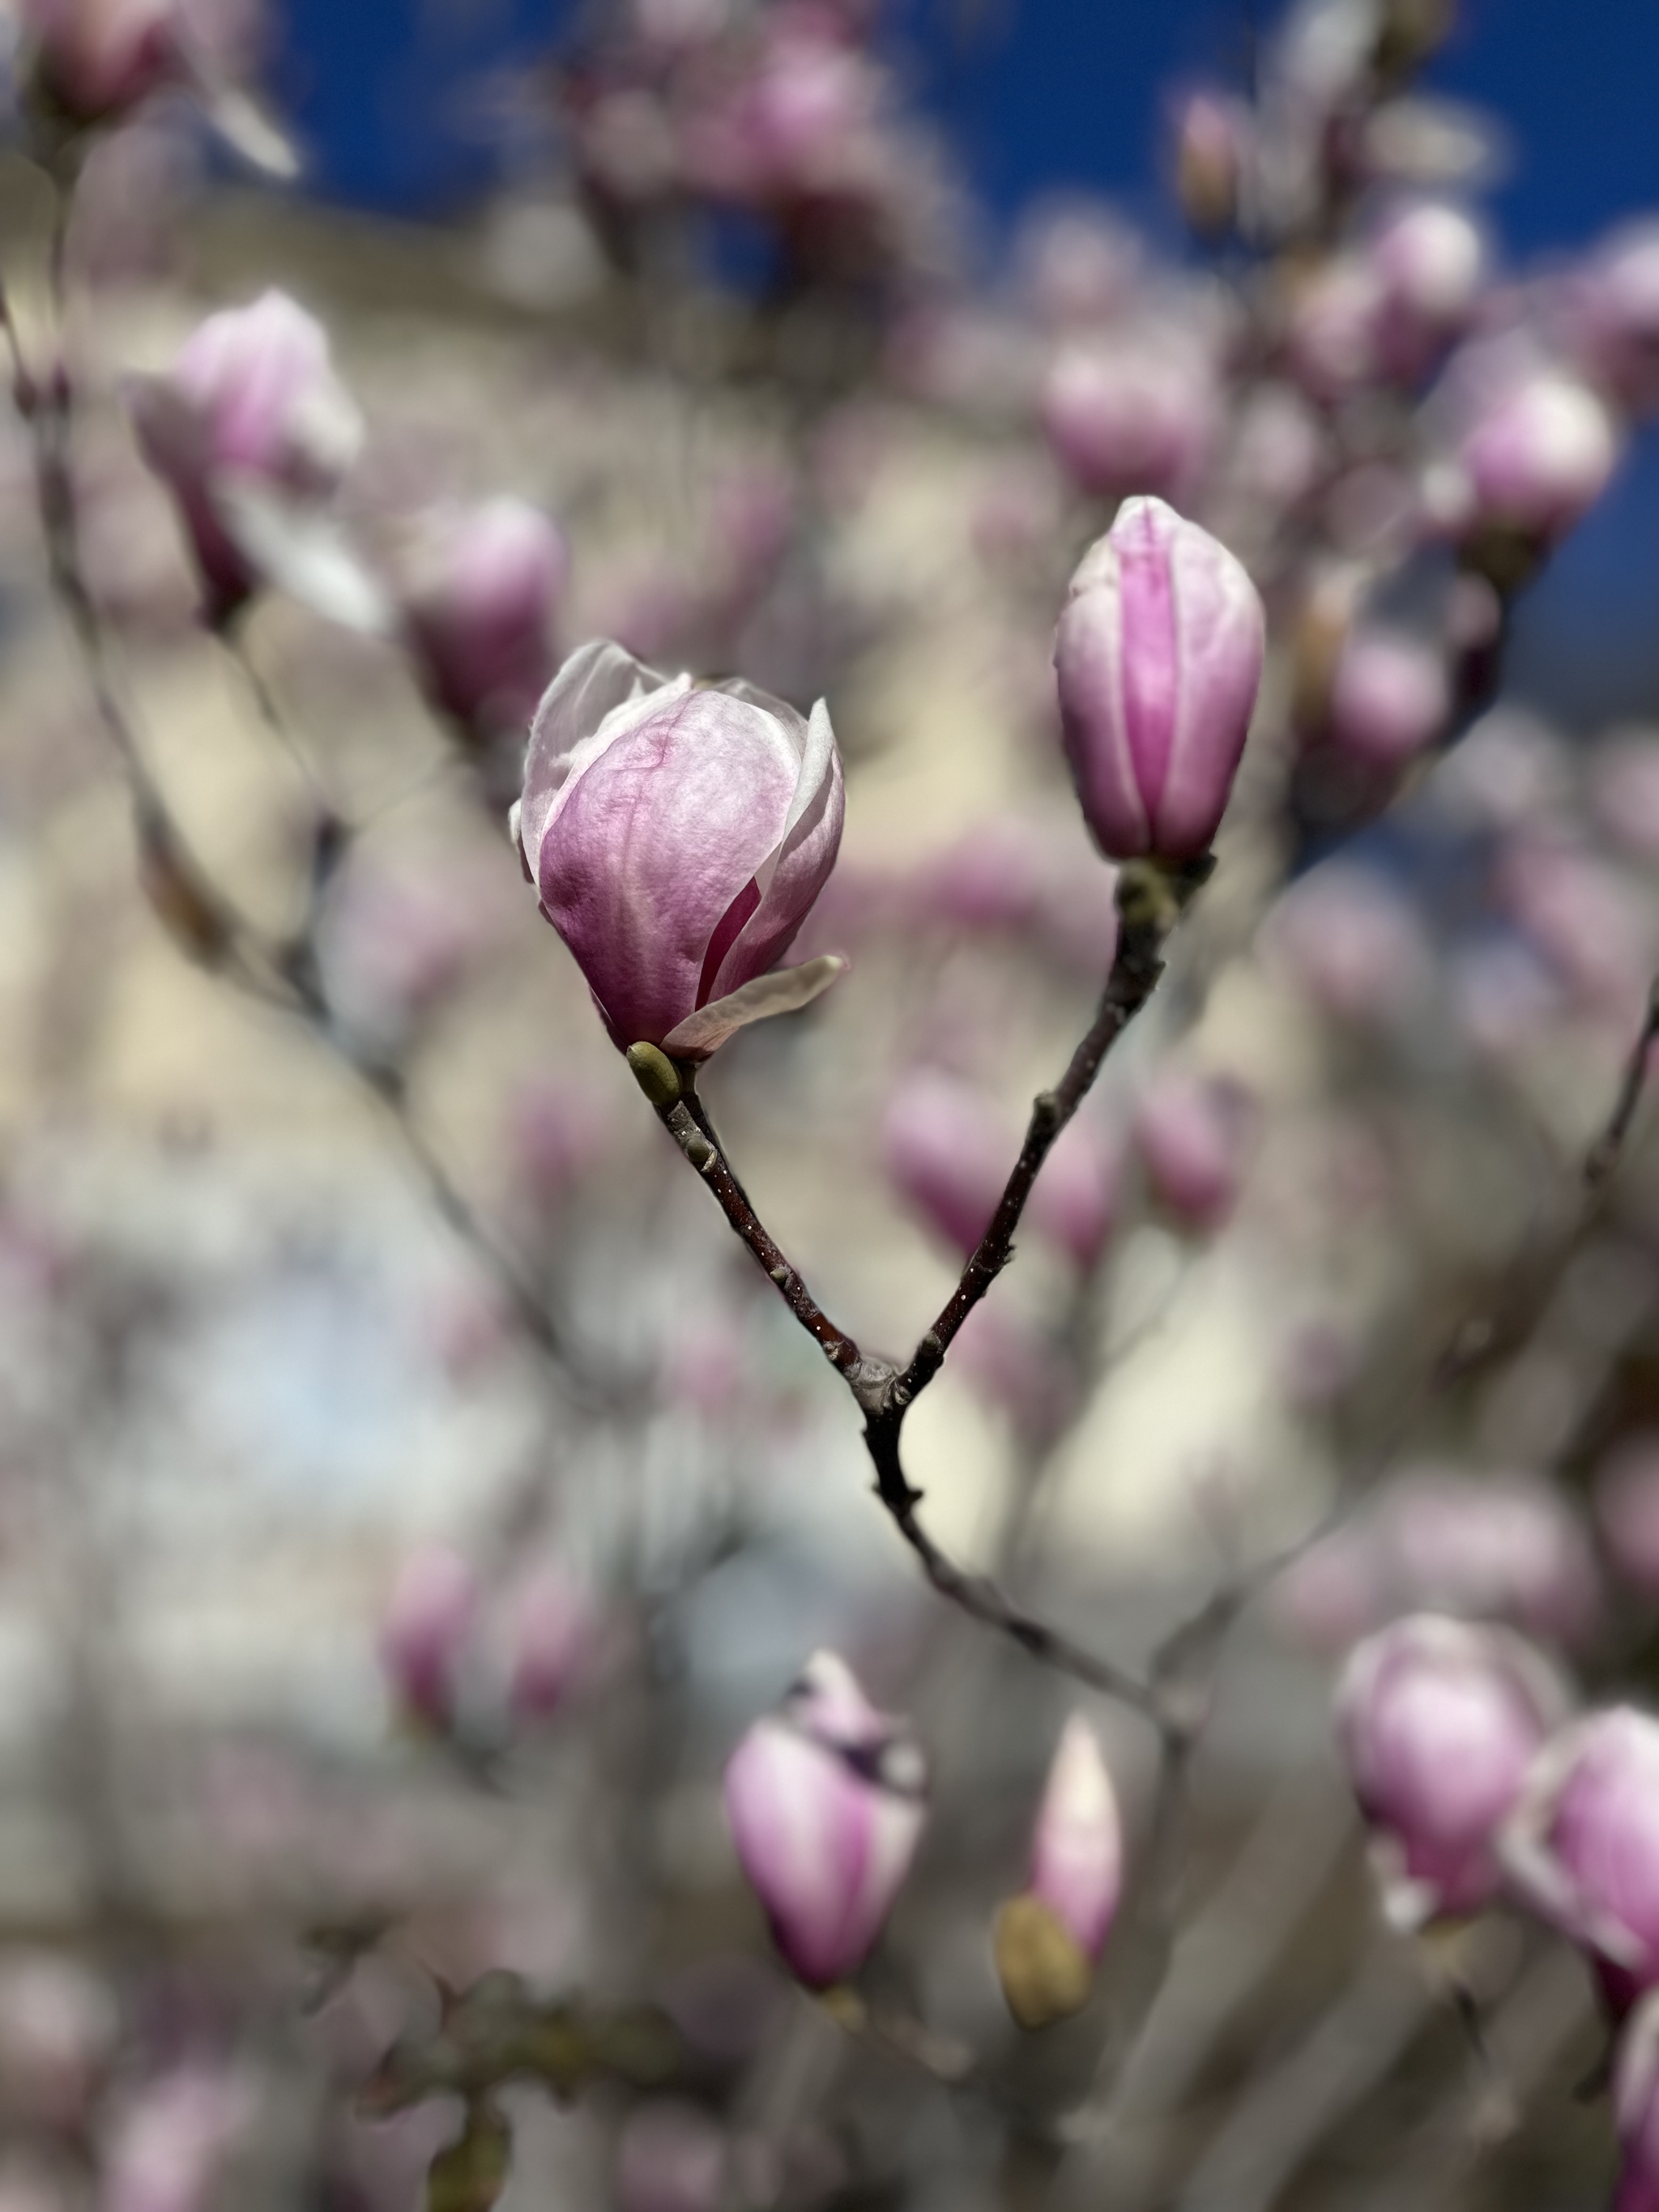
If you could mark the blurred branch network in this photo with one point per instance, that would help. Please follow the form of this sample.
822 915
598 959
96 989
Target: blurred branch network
439 1571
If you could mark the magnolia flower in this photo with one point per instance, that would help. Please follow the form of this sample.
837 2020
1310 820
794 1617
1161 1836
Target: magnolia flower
428 1627
1439 1721
1582 1845
679 836
1134 418
477 612
1074 1201
250 429
1159 655
552 1640
1389 698
1194 1134
826 1801
1077 1850
1538 454
1627 1511
1048 1939
96 58
1635 2110
947 1153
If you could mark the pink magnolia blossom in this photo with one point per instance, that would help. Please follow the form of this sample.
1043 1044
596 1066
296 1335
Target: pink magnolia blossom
251 405
1194 1134
1077 1848
1390 697
1353 943
825 1798
428 1626
1582 1845
1430 257
97 58
551 1639
1212 150
478 612
1613 314
1537 453
947 1153
678 837
1130 417
1635 2110
1074 1201
1627 1511
1502 1546
1159 655
1438 1723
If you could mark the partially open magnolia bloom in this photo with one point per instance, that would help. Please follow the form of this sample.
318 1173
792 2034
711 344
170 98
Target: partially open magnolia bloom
1439 1721
826 1799
678 837
1159 655
1582 1845
250 419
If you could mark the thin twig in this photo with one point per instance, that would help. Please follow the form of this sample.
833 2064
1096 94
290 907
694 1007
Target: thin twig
1151 900
209 924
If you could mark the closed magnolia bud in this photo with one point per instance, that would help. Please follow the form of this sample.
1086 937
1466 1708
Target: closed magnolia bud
1430 258
1582 1845
1496 1548
1627 1512
95 59
825 1799
1439 1721
1211 133
1077 1847
947 1154
1613 314
1158 657
1137 417
250 403
1194 1134
1049 1939
1539 454
427 1631
1074 1201
478 611
678 837
552 1642
1353 943
1389 698
1635 2110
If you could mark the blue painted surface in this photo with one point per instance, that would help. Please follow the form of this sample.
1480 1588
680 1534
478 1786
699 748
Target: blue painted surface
392 95
401 102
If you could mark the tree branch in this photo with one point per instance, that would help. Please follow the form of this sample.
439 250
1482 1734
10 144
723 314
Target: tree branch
1151 899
